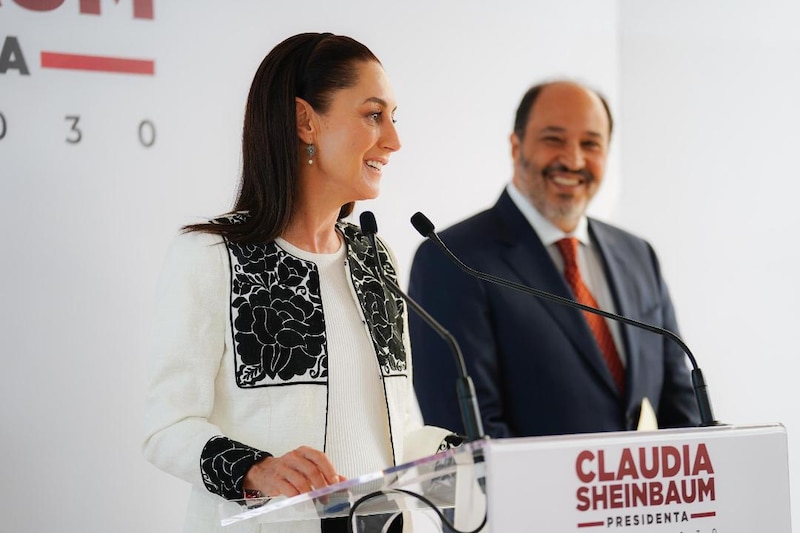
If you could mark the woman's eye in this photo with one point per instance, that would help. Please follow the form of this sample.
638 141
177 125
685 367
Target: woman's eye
376 116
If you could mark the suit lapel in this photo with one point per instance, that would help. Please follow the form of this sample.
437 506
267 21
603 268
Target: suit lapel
625 298
527 256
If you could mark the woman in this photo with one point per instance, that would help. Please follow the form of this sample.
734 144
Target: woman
280 364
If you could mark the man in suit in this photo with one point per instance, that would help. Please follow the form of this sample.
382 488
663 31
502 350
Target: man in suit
541 368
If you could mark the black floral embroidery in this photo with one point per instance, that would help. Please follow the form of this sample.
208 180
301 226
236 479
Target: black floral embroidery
277 319
224 463
278 324
450 441
382 310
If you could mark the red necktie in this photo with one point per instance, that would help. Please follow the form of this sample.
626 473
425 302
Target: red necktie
569 250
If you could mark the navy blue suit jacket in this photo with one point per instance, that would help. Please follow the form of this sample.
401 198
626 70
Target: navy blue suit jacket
536 366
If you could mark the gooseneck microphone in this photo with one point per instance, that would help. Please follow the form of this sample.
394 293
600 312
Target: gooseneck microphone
425 227
467 401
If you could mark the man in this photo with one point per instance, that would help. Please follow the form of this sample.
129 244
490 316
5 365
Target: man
541 368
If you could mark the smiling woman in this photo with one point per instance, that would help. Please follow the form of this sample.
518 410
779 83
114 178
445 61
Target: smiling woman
271 324
354 138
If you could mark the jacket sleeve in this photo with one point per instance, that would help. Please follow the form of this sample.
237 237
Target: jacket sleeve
677 405
186 348
460 304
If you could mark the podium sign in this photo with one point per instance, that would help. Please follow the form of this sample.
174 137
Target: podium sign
707 480
724 479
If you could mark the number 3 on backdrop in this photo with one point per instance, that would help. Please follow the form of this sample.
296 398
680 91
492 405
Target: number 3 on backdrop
146 131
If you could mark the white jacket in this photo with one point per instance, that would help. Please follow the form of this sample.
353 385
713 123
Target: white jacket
222 392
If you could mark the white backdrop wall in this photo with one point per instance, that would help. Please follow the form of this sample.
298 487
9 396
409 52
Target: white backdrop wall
709 103
85 225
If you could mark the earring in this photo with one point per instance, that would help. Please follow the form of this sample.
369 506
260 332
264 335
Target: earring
311 150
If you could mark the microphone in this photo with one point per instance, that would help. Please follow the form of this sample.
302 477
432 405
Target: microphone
425 227
467 401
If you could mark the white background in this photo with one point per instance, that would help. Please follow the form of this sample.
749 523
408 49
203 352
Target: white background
705 96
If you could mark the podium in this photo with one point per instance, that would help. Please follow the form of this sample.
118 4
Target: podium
723 479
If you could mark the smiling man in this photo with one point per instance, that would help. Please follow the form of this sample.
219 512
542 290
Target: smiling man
540 368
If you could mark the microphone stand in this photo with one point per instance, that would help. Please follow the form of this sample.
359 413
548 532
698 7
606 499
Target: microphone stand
468 403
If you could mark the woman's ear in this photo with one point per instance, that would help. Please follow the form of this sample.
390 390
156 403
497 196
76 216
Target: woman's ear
305 122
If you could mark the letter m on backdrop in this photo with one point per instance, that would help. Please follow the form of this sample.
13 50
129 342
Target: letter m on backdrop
142 9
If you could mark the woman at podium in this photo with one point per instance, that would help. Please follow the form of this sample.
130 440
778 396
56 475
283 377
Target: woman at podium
279 362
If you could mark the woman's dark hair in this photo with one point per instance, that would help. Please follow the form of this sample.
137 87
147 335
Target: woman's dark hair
311 66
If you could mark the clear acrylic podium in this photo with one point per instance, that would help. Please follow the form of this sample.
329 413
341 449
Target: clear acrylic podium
441 479
727 479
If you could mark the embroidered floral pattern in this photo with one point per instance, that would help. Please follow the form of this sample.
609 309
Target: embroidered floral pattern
278 324
224 463
277 318
383 311
451 441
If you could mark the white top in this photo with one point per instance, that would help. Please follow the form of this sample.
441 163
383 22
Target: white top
358 426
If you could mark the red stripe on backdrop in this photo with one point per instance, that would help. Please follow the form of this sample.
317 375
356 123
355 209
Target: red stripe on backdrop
98 63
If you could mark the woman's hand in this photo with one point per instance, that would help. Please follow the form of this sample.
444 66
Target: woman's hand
298 471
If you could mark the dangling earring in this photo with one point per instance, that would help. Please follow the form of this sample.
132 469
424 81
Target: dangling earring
311 150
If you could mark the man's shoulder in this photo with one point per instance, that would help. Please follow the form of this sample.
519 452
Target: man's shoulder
462 238
622 243
478 227
605 230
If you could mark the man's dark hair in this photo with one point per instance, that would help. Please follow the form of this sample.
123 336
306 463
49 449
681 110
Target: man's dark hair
526 104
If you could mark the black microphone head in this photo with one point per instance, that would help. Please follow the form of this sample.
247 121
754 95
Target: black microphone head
422 224
368 224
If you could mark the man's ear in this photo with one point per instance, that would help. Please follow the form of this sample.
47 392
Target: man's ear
515 144
305 120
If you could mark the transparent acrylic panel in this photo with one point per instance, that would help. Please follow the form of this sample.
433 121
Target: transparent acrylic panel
442 478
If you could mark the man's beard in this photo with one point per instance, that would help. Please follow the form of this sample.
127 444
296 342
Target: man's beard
567 210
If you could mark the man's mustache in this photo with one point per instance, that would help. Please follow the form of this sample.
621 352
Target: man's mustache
549 170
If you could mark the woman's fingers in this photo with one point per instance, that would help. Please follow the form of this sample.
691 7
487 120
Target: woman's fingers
298 471
316 466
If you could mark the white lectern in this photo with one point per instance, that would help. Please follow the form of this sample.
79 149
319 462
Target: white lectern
723 479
